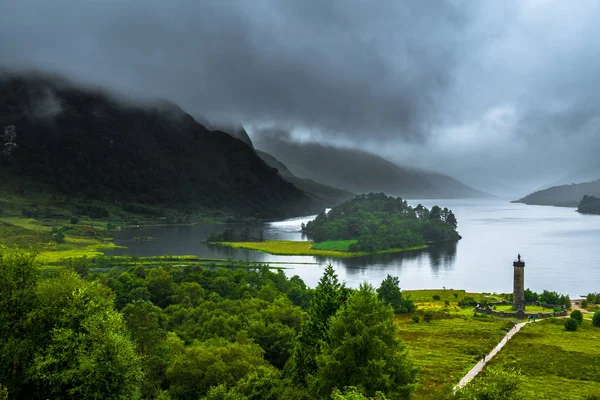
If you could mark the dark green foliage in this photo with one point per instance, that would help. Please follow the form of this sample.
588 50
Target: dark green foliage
571 324
427 316
436 297
415 319
230 235
389 292
380 222
352 393
593 298
363 349
214 363
74 221
548 298
596 319
495 385
61 336
584 304
150 154
589 205
577 316
329 295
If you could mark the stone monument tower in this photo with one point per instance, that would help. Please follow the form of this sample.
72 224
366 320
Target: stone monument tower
519 284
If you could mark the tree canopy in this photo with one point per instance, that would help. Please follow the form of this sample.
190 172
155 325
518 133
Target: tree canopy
379 222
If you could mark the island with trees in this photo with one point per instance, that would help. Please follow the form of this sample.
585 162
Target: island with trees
368 224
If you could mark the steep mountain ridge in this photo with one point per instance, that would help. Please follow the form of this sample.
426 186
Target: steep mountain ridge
86 142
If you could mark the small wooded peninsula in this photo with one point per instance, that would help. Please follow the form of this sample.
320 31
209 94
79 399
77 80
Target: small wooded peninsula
589 205
374 222
368 224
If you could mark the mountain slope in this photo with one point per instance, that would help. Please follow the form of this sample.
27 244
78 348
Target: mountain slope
361 172
330 196
84 142
563 196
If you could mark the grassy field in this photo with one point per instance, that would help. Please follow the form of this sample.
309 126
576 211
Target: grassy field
335 245
301 248
529 309
556 364
448 347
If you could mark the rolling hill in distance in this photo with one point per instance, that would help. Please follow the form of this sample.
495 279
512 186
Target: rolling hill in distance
563 195
362 172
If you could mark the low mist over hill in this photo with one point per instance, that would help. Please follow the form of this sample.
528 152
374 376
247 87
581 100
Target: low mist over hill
361 172
84 142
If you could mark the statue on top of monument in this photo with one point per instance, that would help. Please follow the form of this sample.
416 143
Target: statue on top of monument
519 257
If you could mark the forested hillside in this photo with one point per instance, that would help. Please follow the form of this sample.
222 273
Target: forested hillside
81 141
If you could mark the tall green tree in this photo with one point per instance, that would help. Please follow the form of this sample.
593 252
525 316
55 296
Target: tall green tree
328 297
84 350
363 350
18 280
389 292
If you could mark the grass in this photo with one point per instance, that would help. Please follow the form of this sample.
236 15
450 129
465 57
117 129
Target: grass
529 309
448 347
335 245
302 248
555 364
451 295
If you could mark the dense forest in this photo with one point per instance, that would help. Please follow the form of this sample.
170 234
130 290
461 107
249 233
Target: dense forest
195 333
380 222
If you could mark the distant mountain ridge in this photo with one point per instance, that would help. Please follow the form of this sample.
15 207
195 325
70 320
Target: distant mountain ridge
362 172
330 196
562 196
84 142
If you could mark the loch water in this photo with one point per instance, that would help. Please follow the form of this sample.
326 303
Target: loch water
560 247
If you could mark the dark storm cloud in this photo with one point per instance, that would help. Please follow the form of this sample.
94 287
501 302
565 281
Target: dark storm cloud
345 67
489 91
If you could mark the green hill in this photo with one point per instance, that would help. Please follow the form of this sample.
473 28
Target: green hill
85 142
562 196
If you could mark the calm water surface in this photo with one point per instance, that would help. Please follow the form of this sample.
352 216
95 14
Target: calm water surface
560 248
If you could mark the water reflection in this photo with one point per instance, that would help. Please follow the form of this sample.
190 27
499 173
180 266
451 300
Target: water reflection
493 233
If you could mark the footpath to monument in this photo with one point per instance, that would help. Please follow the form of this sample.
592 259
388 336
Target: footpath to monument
481 364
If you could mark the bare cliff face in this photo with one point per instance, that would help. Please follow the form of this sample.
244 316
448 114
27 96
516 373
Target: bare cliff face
86 142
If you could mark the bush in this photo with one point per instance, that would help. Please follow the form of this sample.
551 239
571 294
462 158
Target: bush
436 297
577 316
596 319
74 221
584 304
446 303
427 316
415 318
571 324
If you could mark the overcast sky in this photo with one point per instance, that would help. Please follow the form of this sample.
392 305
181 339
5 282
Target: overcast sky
500 94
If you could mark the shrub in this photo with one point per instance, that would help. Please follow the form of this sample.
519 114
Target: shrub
446 303
455 295
74 221
577 316
415 318
427 316
436 297
584 304
596 319
571 324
